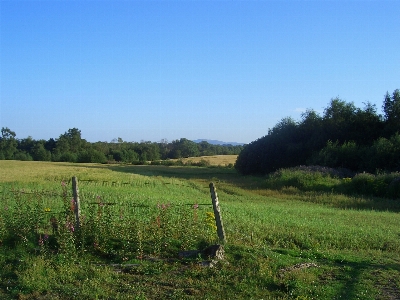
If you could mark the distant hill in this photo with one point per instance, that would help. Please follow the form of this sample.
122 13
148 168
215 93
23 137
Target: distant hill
215 142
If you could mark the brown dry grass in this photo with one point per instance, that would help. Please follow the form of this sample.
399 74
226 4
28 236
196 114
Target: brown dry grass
215 160
37 171
11 170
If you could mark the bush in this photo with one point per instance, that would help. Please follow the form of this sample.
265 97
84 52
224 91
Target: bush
179 162
381 185
384 154
304 178
168 162
322 179
362 183
202 163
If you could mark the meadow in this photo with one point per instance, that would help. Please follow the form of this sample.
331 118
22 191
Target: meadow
295 234
214 160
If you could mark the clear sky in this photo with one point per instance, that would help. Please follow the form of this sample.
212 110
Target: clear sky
224 70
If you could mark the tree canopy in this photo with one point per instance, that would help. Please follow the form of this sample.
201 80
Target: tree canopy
71 147
344 136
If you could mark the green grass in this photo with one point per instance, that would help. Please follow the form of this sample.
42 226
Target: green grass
289 237
338 188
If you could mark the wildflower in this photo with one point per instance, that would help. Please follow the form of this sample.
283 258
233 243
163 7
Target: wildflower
70 226
210 216
41 242
43 239
54 224
163 206
73 203
195 207
100 202
210 220
47 209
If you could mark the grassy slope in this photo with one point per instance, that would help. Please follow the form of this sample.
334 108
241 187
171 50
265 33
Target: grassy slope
279 246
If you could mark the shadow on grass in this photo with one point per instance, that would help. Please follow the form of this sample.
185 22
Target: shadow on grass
206 174
223 177
354 277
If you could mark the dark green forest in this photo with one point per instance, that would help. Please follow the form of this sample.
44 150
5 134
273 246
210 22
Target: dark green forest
71 147
345 136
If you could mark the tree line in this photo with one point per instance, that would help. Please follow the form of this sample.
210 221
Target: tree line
344 136
71 147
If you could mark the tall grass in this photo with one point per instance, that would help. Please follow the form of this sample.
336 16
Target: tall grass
321 179
112 217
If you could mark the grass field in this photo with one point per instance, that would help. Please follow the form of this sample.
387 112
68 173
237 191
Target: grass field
282 243
215 160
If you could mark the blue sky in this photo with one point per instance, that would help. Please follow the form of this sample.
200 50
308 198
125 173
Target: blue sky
224 70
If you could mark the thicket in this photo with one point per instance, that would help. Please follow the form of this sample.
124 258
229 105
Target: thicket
345 136
317 179
71 147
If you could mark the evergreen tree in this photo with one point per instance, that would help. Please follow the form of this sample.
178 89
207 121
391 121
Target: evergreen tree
391 109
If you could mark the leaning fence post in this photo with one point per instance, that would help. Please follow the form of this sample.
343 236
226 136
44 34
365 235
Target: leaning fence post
75 192
217 214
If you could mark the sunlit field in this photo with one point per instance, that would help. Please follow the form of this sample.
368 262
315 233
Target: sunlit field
215 160
283 241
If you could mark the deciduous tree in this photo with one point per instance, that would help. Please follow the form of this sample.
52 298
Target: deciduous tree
8 143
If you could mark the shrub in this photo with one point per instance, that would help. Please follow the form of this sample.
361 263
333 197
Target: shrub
304 178
384 154
202 163
323 179
381 185
168 162
361 183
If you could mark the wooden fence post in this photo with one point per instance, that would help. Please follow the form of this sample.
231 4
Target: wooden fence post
77 210
217 214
